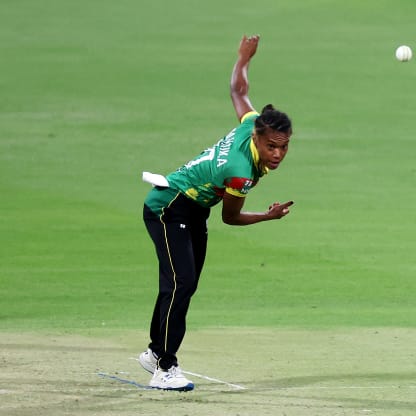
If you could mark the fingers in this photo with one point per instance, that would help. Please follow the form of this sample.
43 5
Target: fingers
252 41
284 205
251 38
280 210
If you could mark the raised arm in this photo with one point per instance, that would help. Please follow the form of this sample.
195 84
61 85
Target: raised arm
239 78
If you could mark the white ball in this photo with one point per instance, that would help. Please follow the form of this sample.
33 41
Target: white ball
403 53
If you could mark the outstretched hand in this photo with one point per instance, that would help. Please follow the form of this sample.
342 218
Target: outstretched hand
277 210
248 46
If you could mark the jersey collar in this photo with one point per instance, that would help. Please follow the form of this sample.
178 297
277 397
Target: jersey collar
254 152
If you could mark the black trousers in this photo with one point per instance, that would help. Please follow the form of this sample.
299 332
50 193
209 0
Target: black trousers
180 238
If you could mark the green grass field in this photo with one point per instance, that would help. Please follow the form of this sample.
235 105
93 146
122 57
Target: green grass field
93 93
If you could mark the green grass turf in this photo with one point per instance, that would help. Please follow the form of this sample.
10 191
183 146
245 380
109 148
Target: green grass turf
95 92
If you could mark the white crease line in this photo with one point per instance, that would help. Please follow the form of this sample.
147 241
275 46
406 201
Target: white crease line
235 386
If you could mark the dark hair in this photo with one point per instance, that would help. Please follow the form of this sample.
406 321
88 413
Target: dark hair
270 118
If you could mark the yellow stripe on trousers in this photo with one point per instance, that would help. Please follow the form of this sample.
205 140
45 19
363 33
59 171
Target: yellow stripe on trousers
173 271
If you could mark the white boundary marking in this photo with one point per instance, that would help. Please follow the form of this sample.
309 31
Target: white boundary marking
215 380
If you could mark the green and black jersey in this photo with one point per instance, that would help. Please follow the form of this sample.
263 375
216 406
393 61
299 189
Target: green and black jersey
231 165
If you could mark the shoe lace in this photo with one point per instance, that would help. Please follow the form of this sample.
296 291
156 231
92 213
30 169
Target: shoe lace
175 371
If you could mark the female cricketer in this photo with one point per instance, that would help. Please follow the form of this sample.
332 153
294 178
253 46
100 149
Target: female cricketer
176 214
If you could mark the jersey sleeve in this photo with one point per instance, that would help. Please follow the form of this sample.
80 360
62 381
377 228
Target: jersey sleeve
237 174
238 186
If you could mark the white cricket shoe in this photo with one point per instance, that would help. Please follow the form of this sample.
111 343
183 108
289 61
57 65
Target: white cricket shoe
148 360
171 379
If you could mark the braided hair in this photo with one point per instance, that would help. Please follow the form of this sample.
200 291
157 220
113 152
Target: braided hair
273 119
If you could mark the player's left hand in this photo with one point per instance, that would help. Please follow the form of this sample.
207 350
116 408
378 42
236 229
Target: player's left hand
278 210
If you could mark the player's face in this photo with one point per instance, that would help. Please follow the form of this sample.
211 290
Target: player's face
272 147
